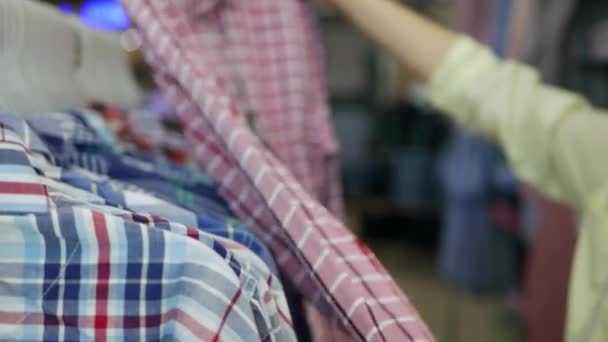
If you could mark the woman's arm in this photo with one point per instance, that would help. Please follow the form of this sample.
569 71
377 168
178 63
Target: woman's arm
418 43
554 139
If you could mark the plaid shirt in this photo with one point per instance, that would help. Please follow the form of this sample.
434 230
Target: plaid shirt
267 57
137 200
108 274
318 253
269 303
104 190
74 143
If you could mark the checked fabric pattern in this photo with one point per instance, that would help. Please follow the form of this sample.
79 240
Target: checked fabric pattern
267 56
318 253
75 269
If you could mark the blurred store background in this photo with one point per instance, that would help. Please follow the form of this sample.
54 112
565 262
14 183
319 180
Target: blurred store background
483 257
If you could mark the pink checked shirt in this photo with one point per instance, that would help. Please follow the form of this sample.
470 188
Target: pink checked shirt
318 253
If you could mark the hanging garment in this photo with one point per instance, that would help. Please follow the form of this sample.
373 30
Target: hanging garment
73 143
580 69
86 129
470 237
554 140
548 24
520 29
267 57
119 124
549 267
269 304
142 129
124 195
315 250
105 273
598 49
476 17
474 252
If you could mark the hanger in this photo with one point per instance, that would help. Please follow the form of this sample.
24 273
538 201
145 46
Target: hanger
105 73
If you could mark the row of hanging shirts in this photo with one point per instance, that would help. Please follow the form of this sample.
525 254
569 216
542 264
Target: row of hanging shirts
103 238
106 243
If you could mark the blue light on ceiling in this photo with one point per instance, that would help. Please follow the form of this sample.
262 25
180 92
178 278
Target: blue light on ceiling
66 8
104 14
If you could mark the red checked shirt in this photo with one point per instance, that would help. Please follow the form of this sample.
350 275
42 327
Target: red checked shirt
266 54
317 252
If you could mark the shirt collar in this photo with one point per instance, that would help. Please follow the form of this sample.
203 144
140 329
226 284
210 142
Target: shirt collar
24 163
64 126
24 135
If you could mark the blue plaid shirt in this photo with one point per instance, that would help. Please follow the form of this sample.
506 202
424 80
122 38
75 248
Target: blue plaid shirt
67 131
74 268
74 142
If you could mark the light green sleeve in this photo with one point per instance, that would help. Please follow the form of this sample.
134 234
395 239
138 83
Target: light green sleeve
554 139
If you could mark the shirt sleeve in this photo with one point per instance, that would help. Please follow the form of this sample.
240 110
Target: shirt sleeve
554 139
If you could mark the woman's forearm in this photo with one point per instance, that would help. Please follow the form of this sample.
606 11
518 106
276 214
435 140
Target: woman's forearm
417 42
